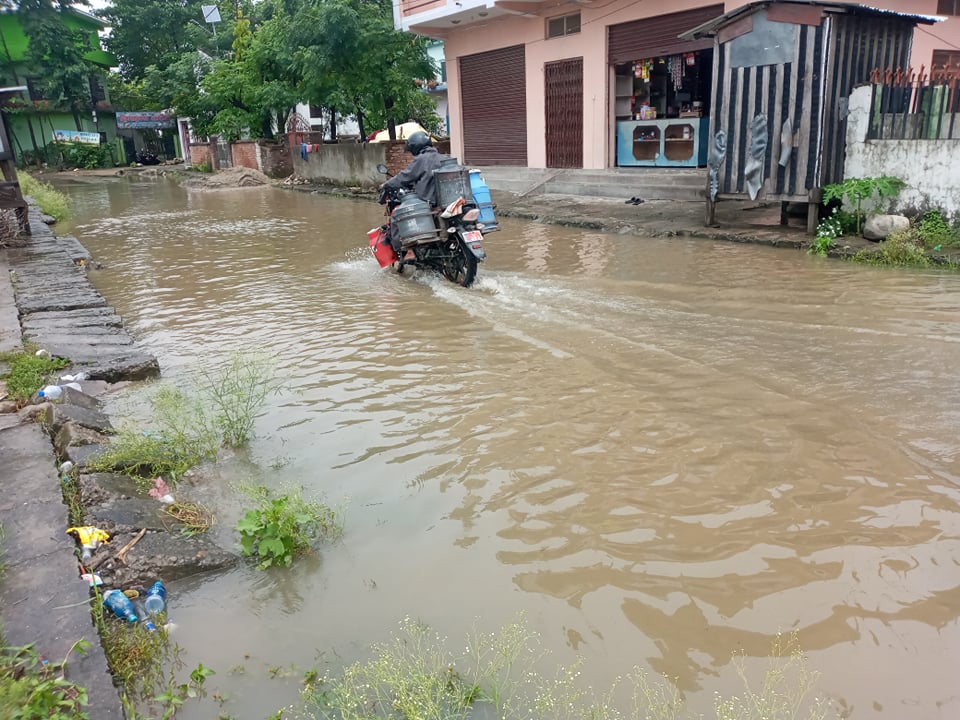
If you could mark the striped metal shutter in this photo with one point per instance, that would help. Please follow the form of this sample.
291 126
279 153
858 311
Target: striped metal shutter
493 94
657 36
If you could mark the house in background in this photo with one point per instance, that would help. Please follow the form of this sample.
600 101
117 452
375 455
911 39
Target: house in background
33 120
541 83
437 88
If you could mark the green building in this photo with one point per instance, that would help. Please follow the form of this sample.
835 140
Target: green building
33 120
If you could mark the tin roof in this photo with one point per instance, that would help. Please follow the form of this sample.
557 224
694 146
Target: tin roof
710 27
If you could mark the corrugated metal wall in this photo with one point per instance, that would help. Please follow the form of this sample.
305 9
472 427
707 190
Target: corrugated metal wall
656 36
791 90
832 59
857 46
493 94
563 89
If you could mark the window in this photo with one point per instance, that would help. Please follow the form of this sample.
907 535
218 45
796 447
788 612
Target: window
443 71
948 7
946 59
563 25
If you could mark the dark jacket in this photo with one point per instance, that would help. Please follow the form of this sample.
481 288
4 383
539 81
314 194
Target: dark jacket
419 174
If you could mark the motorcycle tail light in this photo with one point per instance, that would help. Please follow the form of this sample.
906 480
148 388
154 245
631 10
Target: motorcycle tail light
471 215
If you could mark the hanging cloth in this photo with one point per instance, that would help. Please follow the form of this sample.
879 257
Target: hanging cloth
676 72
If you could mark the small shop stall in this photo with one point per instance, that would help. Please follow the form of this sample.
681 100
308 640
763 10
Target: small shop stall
784 71
661 89
662 110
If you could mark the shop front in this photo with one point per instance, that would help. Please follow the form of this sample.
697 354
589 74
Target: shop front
661 88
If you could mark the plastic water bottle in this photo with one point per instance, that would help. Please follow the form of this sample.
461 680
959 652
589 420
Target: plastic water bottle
144 617
156 600
121 605
50 392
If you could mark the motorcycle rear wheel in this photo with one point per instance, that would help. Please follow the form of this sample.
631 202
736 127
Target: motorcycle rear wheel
460 266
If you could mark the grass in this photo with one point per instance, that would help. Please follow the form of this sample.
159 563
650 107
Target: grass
192 517
415 675
28 372
51 201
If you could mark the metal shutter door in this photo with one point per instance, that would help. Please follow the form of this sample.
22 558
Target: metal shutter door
564 113
657 36
493 94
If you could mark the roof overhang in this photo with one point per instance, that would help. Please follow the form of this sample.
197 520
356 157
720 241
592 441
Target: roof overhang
710 28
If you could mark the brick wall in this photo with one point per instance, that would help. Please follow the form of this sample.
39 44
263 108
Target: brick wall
200 154
274 159
398 159
244 154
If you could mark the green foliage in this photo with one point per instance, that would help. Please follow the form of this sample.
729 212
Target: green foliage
857 191
903 248
203 167
32 689
281 527
51 201
235 391
822 244
83 155
416 676
55 55
176 694
28 372
145 454
936 232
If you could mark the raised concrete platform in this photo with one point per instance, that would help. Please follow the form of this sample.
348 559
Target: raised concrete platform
680 184
61 312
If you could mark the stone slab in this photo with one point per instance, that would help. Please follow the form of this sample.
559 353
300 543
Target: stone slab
42 599
82 313
84 417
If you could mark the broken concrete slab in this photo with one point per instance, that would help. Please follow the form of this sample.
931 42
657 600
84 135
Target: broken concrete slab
70 435
83 455
64 414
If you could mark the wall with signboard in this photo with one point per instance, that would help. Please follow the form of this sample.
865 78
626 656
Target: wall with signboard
29 128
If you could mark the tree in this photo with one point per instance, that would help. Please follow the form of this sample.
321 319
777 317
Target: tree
155 33
56 53
350 58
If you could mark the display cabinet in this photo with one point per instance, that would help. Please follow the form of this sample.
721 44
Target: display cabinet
679 142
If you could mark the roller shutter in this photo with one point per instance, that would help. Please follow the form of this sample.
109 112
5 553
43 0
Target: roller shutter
493 94
657 36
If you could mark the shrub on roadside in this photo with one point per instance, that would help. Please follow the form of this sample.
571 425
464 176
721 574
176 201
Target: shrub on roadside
33 689
903 248
51 201
937 232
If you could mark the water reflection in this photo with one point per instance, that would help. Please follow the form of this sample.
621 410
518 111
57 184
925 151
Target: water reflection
666 450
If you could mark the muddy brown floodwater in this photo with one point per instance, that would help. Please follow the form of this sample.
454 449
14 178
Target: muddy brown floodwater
662 451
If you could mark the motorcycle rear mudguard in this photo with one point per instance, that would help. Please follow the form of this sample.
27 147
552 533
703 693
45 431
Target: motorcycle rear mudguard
473 241
380 246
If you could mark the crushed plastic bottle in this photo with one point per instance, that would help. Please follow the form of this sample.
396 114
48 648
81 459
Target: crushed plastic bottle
156 600
50 392
120 605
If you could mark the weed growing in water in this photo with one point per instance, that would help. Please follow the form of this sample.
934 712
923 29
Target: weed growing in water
414 676
217 406
28 372
283 526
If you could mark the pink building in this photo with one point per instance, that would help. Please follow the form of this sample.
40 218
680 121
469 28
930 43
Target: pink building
549 83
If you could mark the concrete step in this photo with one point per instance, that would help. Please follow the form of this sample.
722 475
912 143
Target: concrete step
649 183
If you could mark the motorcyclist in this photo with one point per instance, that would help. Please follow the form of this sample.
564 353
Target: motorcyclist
418 174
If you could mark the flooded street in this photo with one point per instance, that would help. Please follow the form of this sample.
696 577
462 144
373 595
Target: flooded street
662 451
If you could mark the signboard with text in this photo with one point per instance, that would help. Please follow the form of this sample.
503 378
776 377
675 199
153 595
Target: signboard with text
66 136
144 120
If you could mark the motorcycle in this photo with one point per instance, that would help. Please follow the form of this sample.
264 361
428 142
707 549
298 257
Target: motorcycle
449 242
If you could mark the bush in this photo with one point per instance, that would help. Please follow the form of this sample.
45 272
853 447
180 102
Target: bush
936 232
83 155
857 191
53 202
